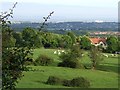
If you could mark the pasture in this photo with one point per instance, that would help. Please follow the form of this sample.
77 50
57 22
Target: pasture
106 75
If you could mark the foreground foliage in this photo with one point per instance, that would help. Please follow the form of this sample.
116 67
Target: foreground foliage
13 65
13 58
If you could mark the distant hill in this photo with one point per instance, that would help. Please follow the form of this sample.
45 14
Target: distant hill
81 26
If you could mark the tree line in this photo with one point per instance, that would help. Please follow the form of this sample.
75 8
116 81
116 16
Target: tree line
30 37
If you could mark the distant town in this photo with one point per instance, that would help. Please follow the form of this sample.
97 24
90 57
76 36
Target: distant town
105 33
79 28
91 26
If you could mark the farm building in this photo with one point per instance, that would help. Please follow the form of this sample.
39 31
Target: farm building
99 41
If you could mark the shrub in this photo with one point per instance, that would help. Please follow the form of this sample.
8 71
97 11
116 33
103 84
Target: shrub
71 64
71 58
67 83
29 62
53 80
75 82
80 82
43 60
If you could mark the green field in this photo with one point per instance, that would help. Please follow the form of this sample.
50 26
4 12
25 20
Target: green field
106 76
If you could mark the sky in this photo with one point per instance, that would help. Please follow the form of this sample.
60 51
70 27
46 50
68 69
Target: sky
64 10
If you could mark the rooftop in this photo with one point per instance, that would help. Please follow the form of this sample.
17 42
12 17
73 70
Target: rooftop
97 40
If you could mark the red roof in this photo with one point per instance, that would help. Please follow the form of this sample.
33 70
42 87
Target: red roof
97 40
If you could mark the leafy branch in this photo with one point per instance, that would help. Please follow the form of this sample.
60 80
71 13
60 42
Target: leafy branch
45 20
5 15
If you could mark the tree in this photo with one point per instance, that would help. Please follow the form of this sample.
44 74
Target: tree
50 40
65 41
31 38
13 58
71 58
7 39
85 43
118 44
112 44
38 40
13 64
19 39
96 56
73 37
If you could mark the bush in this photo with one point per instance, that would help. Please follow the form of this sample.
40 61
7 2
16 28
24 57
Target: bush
67 83
80 82
43 60
71 64
75 82
29 62
53 80
71 58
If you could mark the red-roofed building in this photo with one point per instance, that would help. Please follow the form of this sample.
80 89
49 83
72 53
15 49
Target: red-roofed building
98 41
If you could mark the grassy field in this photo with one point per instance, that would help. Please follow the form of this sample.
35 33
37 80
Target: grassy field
105 76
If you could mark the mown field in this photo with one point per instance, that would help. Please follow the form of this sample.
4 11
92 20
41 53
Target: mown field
106 76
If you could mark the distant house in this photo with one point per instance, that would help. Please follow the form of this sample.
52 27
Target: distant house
98 42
